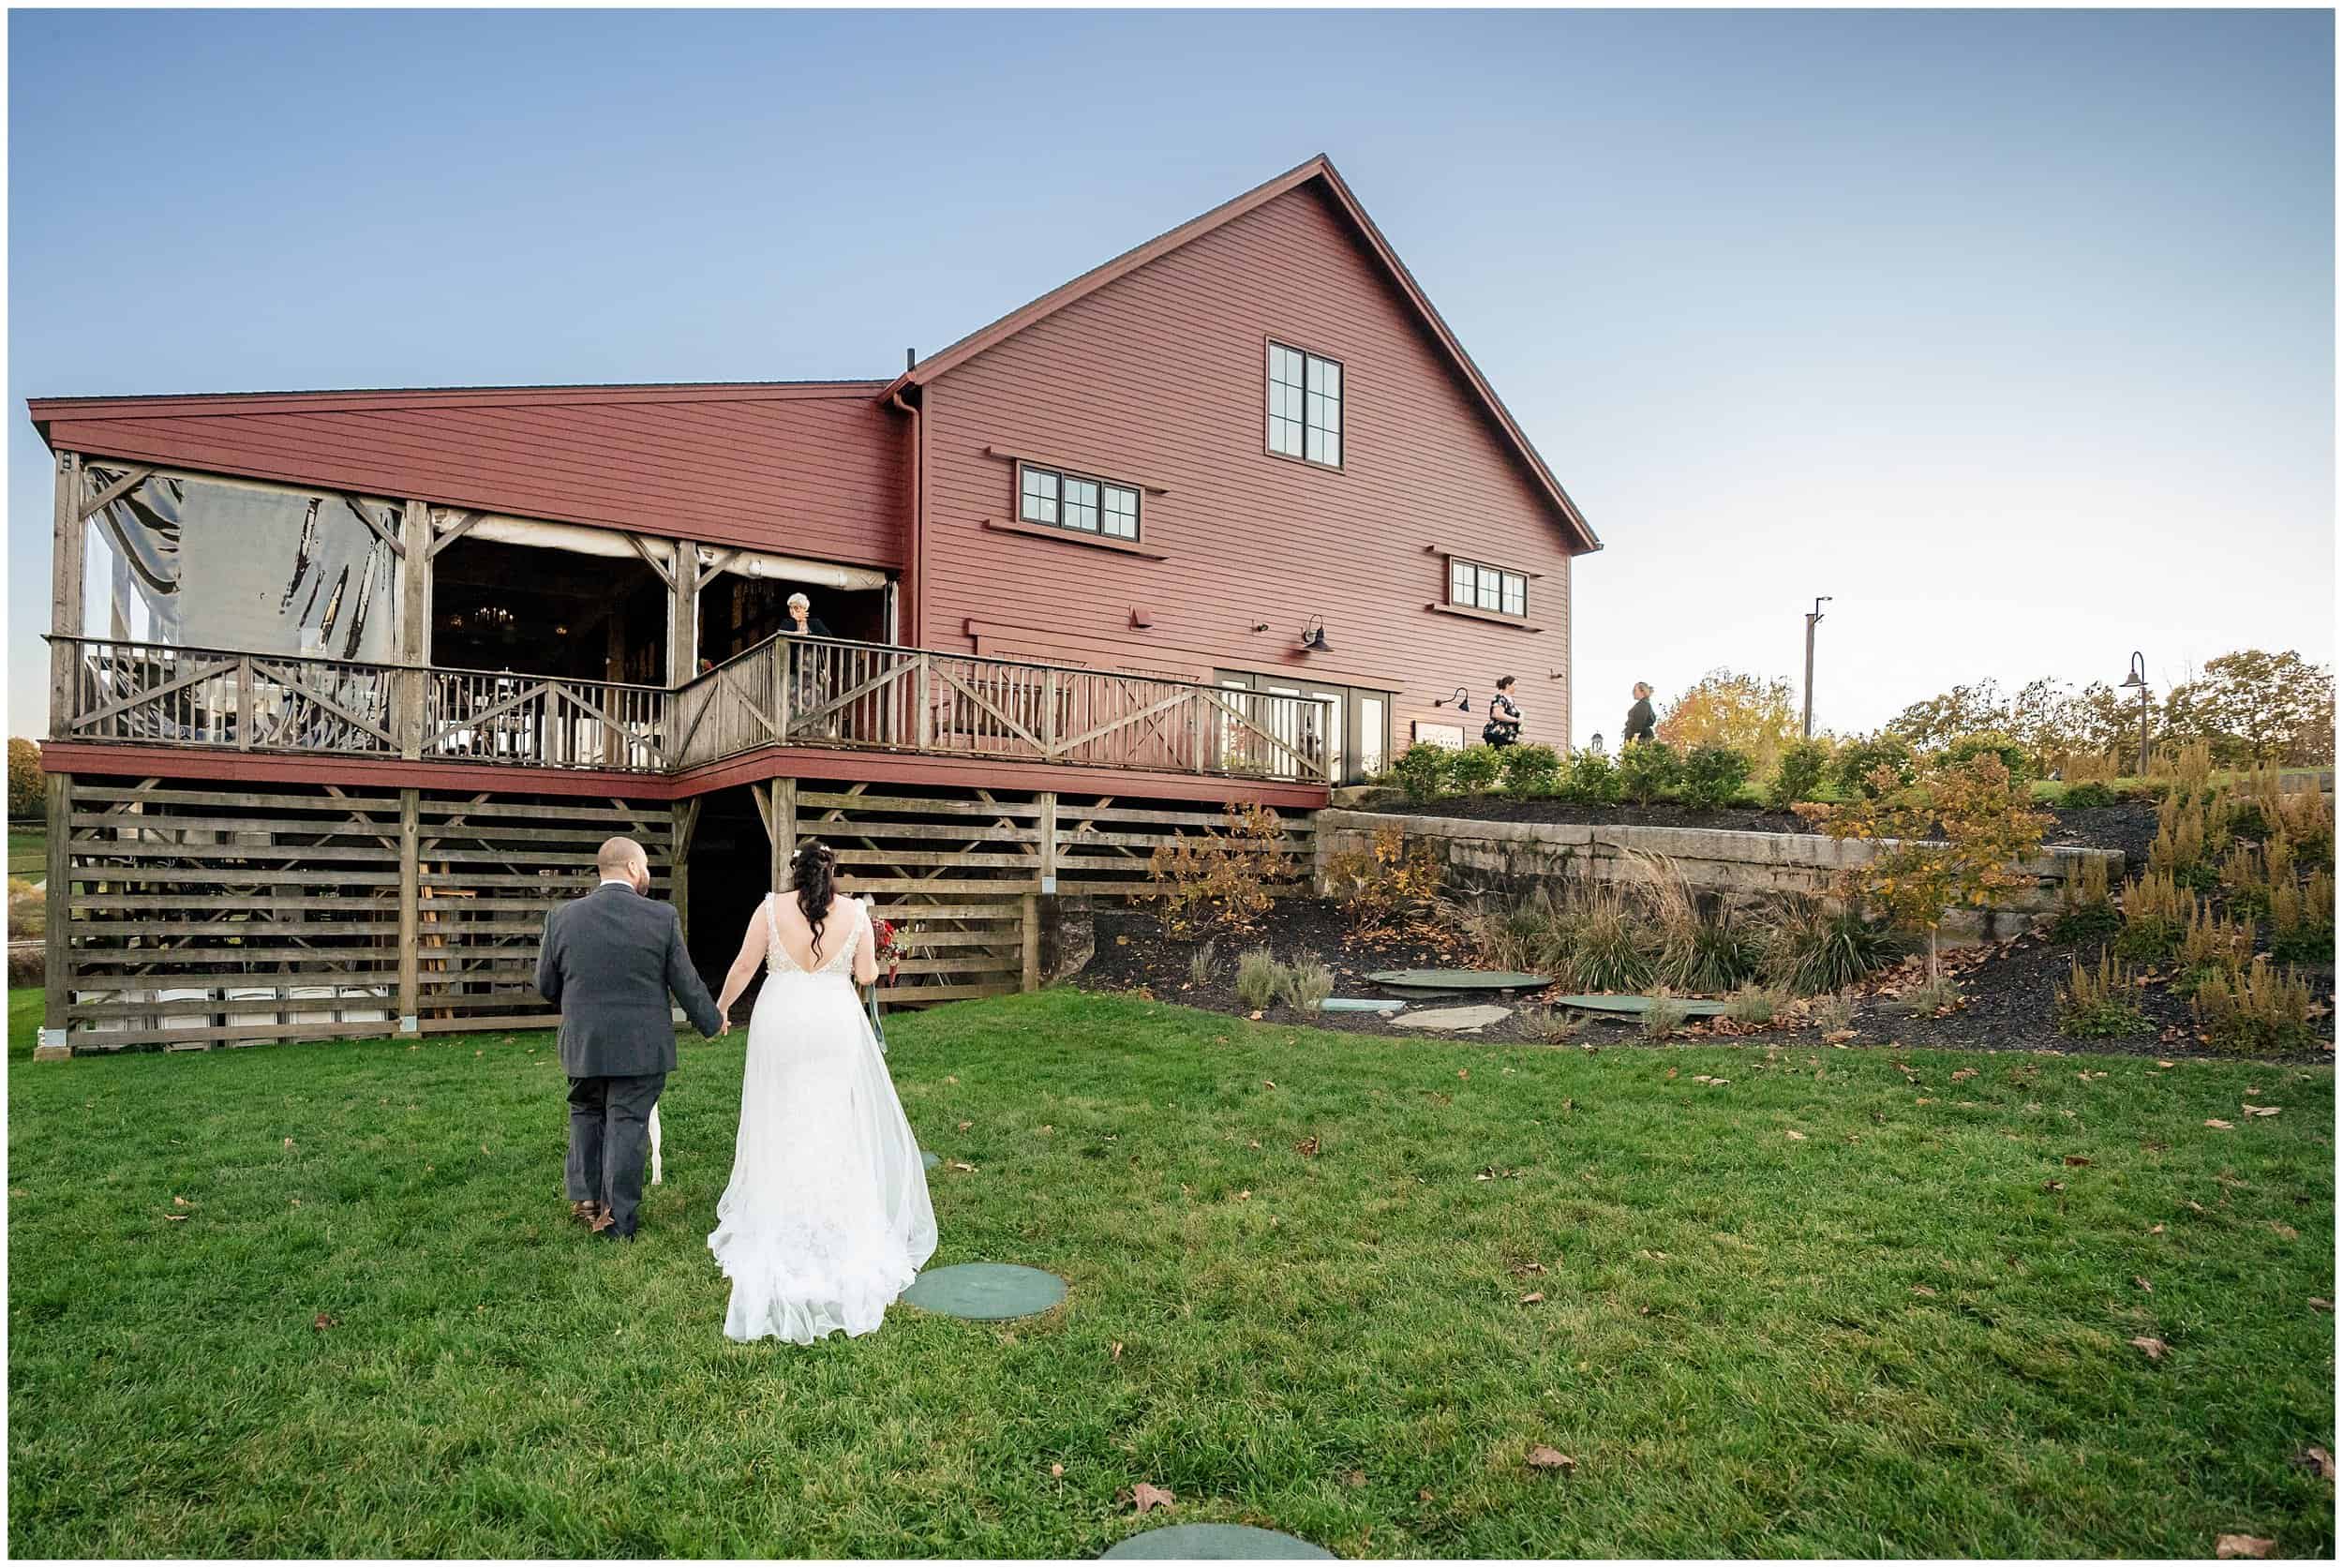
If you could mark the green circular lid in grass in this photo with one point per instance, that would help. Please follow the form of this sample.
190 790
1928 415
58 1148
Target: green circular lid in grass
1212 1543
986 1291
1693 1007
1460 979
929 1160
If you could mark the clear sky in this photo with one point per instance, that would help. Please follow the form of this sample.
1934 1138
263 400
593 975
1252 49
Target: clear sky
2013 331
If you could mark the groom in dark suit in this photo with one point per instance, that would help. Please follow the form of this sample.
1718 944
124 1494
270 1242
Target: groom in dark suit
608 962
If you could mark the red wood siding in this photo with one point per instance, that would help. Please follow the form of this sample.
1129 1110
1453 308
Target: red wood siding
813 474
1160 376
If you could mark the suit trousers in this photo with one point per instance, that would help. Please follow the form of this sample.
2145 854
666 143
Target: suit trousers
609 1137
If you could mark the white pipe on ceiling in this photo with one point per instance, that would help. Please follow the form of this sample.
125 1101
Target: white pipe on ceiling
611 544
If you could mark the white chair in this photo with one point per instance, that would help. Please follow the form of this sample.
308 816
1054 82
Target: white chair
248 1017
309 1004
183 1023
366 1004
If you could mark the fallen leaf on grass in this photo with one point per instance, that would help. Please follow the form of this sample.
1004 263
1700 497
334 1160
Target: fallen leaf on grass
180 1203
1308 1146
1268 1083
2078 1159
2243 1545
1533 1298
1838 1037
1056 1471
1114 1351
2262 1110
1463 1072
2317 1458
1672 1074
324 1321
2156 1229
2321 1303
965 1125
175 1217
958 1165
1922 1291
2164 1064
1355 1478
2152 1349
289 1143
2285 1230
1254 1016
2143 1284
1530 1268
1424 1494
1144 1497
1795 1136
1542 1457
2216 1122
2053 1187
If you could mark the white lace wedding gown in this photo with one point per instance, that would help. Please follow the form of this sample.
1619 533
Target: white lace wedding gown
825 1218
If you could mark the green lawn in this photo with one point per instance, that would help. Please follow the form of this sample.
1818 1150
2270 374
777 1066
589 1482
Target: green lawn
28 854
1906 1333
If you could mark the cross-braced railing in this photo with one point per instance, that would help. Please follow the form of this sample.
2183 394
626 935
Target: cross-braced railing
800 692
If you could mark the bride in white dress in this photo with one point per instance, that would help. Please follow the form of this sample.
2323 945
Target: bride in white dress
825 1219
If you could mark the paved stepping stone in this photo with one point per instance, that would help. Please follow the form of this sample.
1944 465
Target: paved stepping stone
1212 1543
1454 1018
929 1160
1359 1004
1460 979
1693 1007
986 1291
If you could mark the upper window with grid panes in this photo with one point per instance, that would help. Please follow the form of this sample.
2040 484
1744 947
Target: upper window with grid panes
1304 406
1475 586
1077 503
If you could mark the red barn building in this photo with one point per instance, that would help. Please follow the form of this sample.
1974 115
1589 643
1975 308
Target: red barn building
346 685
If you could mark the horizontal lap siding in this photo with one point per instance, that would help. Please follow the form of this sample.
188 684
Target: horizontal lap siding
813 476
1159 377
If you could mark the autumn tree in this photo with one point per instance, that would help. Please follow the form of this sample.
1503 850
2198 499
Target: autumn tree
27 792
2256 707
1748 713
1951 839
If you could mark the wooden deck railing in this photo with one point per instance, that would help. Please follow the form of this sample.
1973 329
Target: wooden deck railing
788 691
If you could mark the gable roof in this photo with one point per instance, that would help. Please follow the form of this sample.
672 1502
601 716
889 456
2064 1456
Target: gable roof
1316 168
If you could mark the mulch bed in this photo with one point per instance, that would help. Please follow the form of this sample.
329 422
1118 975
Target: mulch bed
2007 989
2129 827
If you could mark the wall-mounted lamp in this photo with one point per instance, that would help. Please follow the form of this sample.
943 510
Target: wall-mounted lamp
1261 626
1461 700
1314 637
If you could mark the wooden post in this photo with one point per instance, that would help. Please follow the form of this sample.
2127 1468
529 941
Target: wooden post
58 979
682 824
413 629
785 833
1029 923
919 694
683 615
409 910
1046 821
65 593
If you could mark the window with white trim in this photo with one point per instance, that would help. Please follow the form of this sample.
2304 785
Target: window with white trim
1304 406
1474 586
1077 503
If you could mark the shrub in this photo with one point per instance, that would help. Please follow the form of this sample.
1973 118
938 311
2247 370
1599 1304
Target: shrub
2257 1010
28 791
1592 780
1392 887
1987 822
1836 1012
1305 983
1700 949
1554 1025
1798 774
1258 974
1755 1006
2097 1004
2302 920
1528 770
1963 748
1607 950
1200 964
1421 771
1931 996
1858 760
2084 907
28 965
2087 796
1472 770
1221 881
1664 1017
1524 936
28 910
1809 947
2087 768
2184 770
1647 771
2179 846
2156 911
1712 777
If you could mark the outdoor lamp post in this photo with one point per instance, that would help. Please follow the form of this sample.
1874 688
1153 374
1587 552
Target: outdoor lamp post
1807 726
2138 676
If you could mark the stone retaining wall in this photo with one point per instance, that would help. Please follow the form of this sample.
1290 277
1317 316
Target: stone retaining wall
1508 858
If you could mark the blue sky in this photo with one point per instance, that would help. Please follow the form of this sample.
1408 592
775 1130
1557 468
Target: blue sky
2012 331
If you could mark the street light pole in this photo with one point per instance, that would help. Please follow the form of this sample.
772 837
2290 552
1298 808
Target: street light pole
2138 676
1807 728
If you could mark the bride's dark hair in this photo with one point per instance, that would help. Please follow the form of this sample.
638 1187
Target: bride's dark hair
814 874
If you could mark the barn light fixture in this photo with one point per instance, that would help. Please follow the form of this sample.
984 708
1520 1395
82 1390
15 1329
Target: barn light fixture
1461 700
1314 637
1261 626
2139 679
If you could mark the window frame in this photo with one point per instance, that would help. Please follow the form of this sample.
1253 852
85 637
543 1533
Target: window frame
1505 576
1098 506
1341 427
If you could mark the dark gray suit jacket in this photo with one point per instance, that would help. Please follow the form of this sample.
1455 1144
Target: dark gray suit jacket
608 962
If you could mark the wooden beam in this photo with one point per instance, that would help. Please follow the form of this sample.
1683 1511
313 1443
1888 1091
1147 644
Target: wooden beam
113 493
1047 801
683 610
681 826
665 576
65 592
463 526
411 633
57 969
784 829
410 905
1029 933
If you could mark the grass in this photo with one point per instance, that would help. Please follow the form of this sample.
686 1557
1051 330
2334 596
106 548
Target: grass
1906 1332
28 854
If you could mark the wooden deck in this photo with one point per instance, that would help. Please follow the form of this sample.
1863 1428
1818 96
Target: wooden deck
789 706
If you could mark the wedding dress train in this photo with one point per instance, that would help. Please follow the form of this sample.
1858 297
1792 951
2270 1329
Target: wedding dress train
827 1218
